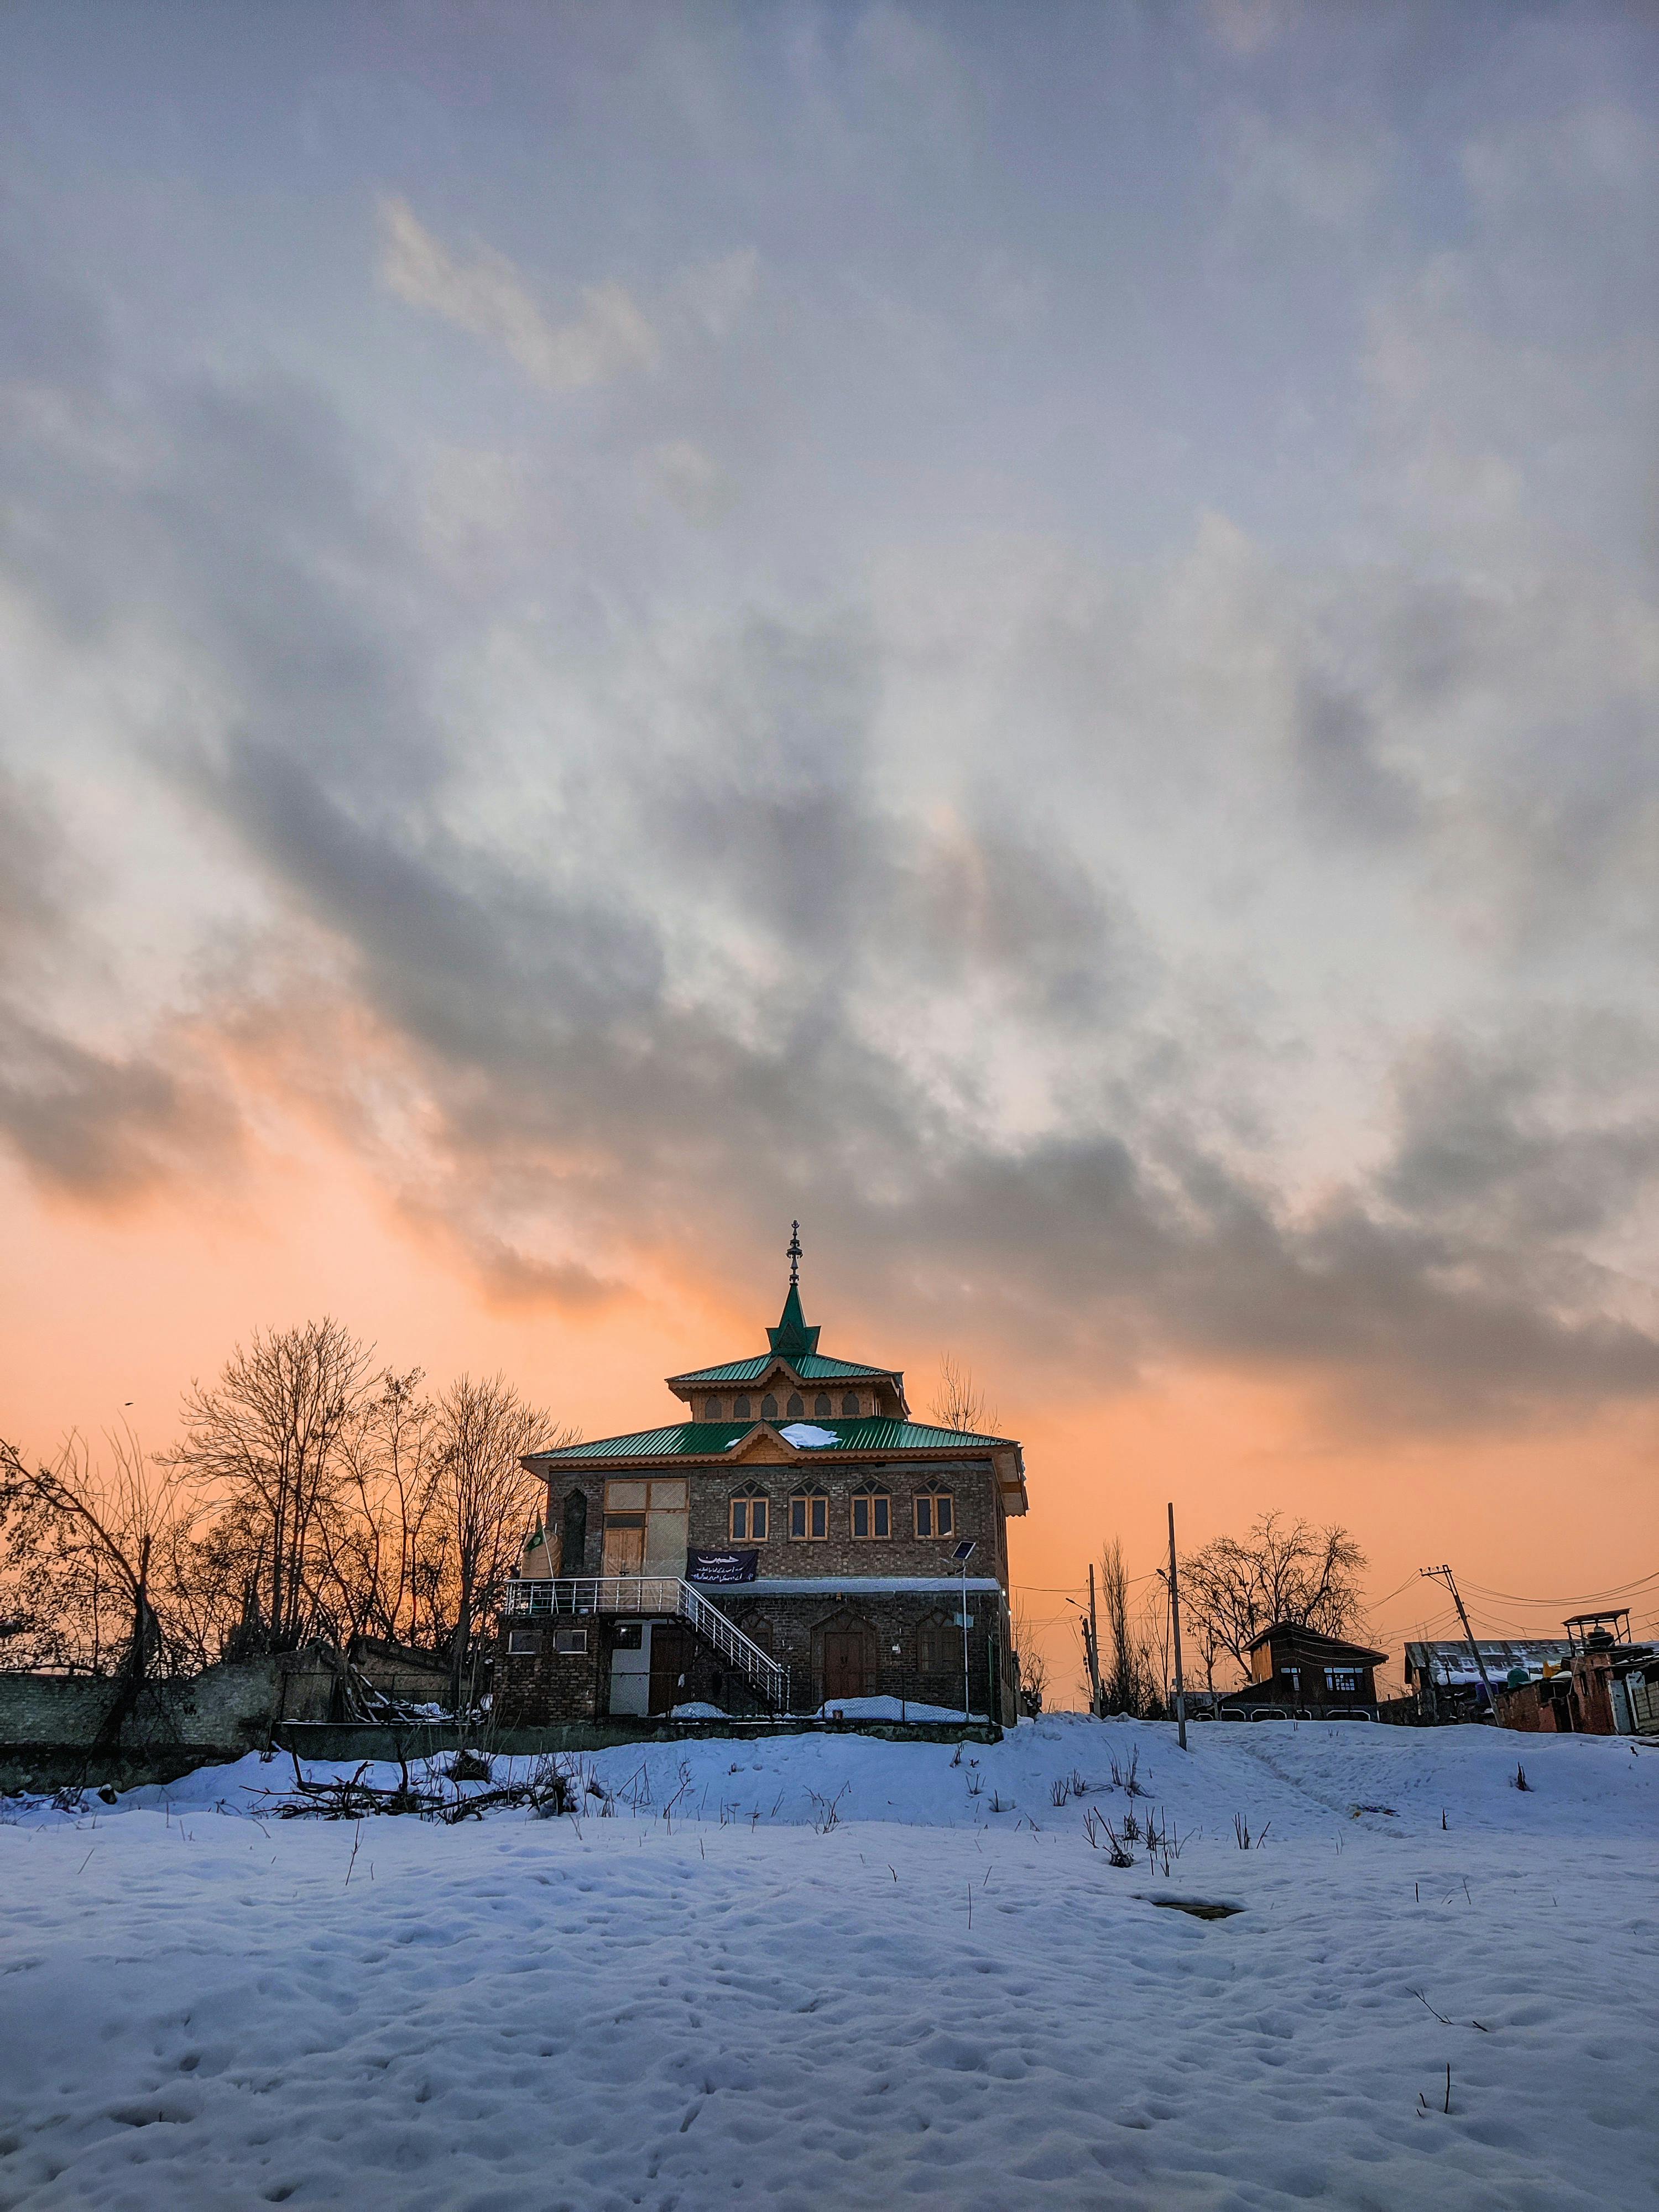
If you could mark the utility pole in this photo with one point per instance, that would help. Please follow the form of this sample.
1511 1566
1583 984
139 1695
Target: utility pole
1174 1616
1094 1646
1444 1575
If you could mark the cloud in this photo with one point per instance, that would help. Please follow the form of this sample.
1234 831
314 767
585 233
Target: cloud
691 479
747 978
1231 949
101 1126
486 295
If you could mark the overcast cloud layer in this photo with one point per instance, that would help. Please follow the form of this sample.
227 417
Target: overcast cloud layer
1041 650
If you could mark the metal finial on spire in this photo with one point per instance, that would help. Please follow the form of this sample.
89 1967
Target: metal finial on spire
793 1254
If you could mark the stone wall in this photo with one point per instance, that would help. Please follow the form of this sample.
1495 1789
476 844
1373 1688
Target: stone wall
59 1728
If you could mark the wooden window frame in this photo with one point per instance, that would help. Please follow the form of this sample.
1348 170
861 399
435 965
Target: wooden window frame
751 1503
795 1407
770 1406
932 1500
807 1506
740 1408
849 1405
878 1516
822 1410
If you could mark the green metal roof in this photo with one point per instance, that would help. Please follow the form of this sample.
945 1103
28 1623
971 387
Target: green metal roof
711 1439
793 1340
810 1366
791 1335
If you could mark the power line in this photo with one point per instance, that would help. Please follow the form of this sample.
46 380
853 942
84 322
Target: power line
1589 1597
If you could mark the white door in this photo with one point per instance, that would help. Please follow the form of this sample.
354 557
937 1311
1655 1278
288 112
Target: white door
630 1668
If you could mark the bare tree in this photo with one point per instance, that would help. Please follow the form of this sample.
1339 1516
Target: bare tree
379 1534
268 1440
485 1499
960 1403
1231 1591
1030 1658
87 1554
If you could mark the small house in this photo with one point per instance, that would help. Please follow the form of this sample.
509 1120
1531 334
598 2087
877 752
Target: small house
1296 1670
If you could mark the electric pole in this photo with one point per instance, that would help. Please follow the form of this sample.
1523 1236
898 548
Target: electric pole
1094 1647
1174 1616
1444 1575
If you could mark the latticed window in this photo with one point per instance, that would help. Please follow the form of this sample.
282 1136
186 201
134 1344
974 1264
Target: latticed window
809 1516
872 1513
936 1513
740 1409
769 1407
821 1403
849 1405
751 1518
934 1652
711 1411
796 1407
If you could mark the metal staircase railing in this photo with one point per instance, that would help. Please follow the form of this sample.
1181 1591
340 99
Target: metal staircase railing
648 1594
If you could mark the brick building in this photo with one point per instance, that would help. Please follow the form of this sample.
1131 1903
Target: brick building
792 1543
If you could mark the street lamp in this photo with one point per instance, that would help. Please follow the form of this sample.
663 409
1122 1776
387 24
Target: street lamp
962 1554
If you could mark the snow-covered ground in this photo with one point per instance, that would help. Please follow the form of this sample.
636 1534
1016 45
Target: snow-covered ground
824 1972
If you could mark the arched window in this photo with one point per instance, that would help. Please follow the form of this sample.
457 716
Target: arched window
821 1403
740 1409
711 1411
751 1521
796 1407
769 1407
873 1511
809 1517
936 1513
849 1405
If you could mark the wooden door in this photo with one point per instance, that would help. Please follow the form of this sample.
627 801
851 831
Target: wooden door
671 1653
624 1545
848 1672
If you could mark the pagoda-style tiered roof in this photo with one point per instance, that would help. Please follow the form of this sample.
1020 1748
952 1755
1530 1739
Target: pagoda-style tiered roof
749 1390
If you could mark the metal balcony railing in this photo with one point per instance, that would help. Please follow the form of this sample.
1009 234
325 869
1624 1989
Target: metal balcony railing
648 1594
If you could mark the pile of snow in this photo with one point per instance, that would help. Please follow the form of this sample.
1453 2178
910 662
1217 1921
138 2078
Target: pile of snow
886 1709
809 1438
828 1970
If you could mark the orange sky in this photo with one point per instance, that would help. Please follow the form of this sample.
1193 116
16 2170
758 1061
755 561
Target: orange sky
97 1308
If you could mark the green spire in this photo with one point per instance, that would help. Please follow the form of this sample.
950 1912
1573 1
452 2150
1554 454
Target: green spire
792 1336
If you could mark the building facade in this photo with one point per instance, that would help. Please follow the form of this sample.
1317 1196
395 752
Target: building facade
1299 1672
794 1542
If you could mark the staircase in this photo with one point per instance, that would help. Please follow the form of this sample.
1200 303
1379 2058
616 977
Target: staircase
635 1594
